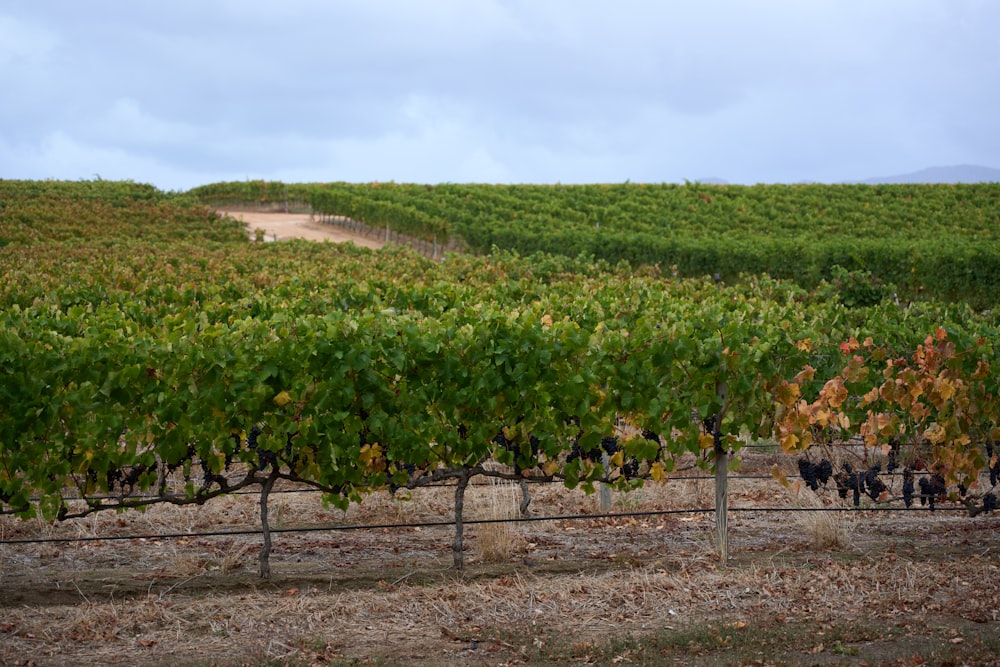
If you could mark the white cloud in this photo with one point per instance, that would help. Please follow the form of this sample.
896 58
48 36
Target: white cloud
23 43
126 122
498 90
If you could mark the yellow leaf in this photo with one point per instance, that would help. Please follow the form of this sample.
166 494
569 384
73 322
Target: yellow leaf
283 399
369 453
935 433
944 388
790 442
788 394
550 467
617 459
657 472
782 478
821 416
706 441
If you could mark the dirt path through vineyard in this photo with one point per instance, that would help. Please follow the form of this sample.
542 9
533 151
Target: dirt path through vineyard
285 226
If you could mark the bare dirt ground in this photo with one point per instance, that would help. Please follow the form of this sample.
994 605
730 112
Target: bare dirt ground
899 588
284 226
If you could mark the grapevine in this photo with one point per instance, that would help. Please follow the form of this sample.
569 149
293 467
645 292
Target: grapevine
145 361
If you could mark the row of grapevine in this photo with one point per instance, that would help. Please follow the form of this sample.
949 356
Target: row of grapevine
130 358
251 193
936 240
115 193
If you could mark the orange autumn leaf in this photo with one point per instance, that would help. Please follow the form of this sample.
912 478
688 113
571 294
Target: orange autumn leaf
805 375
788 394
834 392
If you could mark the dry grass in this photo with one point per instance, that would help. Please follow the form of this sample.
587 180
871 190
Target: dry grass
353 595
827 531
437 621
497 542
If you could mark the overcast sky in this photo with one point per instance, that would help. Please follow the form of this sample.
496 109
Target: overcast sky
188 92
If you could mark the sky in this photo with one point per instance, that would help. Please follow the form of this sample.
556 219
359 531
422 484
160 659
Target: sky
189 92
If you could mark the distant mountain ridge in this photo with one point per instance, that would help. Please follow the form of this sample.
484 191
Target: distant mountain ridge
965 173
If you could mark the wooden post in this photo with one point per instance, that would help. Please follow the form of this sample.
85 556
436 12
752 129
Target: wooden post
721 482
605 489
265 550
463 482
525 497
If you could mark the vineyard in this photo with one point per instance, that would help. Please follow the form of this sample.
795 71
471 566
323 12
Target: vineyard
939 241
154 358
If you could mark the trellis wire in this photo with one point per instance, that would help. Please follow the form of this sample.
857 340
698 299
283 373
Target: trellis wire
451 523
438 485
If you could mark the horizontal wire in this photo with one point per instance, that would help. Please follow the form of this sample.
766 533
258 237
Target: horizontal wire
437 485
442 523
403 487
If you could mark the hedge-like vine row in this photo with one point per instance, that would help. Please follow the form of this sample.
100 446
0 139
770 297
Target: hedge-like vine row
166 347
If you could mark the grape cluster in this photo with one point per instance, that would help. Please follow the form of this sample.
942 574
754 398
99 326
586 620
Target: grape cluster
265 458
411 472
848 480
908 486
860 482
892 463
824 471
610 446
631 467
815 474
932 488
807 471
594 456
876 487
125 478
989 502
511 446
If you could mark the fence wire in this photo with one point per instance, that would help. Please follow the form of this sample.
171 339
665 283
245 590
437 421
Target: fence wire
451 523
